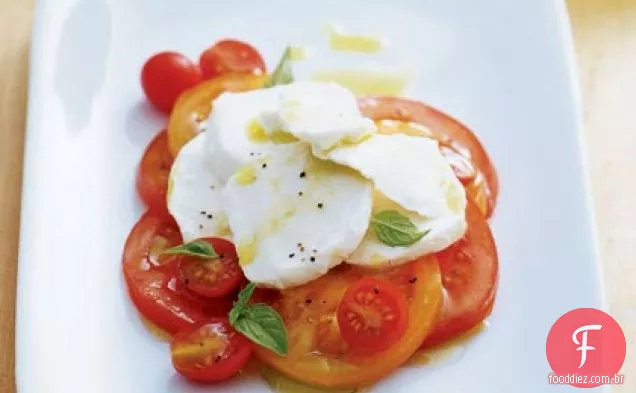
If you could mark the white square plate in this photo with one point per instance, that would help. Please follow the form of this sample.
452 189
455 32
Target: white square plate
503 67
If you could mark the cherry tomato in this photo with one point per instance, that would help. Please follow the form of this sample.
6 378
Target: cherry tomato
372 315
318 352
231 56
213 277
484 186
470 271
153 173
210 351
165 76
153 280
194 106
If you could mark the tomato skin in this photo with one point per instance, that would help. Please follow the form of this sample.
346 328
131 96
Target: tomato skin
216 277
470 274
165 76
195 104
153 173
450 133
153 282
367 303
210 351
231 56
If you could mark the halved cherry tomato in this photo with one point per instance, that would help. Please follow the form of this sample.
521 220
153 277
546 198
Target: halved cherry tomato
372 315
231 56
210 351
484 187
194 106
213 277
165 76
320 355
153 173
153 280
470 271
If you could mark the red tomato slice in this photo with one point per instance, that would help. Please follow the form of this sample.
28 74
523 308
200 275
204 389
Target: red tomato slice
372 315
153 173
213 277
231 56
153 281
210 351
165 76
452 134
470 271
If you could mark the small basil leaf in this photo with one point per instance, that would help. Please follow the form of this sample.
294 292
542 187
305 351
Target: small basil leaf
239 305
395 230
235 313
245 294
197 248
263 326
258 322
282 74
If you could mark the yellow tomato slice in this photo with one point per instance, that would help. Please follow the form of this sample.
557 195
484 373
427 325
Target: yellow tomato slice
195 104
319 356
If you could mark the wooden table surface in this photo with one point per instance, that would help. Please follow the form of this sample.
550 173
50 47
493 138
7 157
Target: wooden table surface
605 36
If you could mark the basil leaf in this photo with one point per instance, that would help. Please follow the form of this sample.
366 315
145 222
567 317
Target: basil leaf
245 294
239 306
264 326
235 313
258 322
394 229
197 248
282 74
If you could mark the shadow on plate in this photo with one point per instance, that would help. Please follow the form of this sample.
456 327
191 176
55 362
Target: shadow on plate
81 61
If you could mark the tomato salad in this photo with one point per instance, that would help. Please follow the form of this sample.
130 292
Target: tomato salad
346 329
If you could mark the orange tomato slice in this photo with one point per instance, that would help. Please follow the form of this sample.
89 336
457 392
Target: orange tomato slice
194 106
320 356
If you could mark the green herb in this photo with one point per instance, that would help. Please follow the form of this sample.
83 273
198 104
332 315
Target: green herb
282 74
241 304
197 248
259 322
395 230
245 294
264 326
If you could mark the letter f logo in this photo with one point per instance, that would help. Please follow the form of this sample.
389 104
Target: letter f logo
584 347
